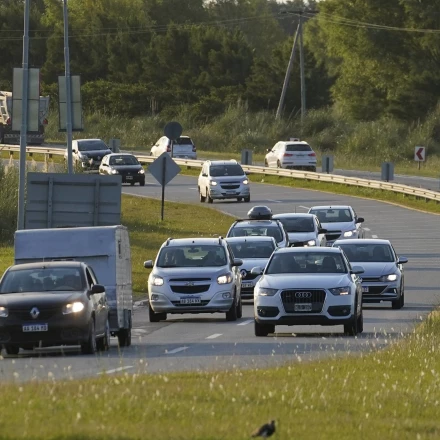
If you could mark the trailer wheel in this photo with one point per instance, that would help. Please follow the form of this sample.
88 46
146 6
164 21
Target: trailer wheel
124 335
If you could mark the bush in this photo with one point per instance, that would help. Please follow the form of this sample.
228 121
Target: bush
8 202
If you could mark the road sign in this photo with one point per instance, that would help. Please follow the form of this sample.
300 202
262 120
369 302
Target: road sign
419 154
173 130
164 169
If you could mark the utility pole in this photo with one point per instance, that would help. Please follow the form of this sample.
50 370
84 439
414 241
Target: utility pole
301 62
24 118
287 77
68 89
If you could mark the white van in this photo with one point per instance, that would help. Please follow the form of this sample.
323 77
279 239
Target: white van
105 248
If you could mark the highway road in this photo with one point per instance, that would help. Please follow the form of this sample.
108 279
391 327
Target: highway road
208 342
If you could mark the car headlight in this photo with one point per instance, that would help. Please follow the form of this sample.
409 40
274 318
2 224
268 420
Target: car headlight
74 307
245 182
141 171
349 233
311 243
264 291
340 291
4 312
224 279
390 277
157 281
213 183
114 171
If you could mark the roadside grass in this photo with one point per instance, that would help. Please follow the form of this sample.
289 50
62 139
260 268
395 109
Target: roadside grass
391 393
35 157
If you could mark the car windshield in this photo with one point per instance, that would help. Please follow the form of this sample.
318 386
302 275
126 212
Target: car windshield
192 256
249 231
297 224
92 145
298 147
226 170
42 280
368 252
249 249
306 262
123 160
333 215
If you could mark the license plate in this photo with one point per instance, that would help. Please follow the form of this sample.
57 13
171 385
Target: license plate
246 285
303 307
230 191
365 289
129 177
35 328
190 300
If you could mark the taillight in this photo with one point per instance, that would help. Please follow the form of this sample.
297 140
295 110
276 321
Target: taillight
8 121
45 122
287 154
194 149
312 154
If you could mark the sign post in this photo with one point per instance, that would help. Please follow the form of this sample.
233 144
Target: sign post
164 169
419 154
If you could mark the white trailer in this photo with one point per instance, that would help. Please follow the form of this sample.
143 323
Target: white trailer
105 248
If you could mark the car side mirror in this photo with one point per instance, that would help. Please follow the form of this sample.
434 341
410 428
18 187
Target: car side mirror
357 270
360 220
148 264
322 231
402 260
97 288
237 262
204 175
73 150
257 270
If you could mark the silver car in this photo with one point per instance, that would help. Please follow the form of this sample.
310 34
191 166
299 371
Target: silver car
303 229
194 275
308 286
253 251
340 221
383 279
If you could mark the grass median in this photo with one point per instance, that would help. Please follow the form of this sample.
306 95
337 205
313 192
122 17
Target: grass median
389 394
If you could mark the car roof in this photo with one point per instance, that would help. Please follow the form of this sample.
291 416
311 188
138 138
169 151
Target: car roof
361 241
250 238
120 154
294 142
222 162
332 207
293 214
47 264
261 223
194 241
309 250
83 140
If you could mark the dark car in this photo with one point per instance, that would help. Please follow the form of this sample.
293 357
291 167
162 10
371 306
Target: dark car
88 153
53 303
126 165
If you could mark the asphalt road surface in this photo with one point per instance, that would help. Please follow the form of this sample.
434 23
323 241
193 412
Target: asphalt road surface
208 342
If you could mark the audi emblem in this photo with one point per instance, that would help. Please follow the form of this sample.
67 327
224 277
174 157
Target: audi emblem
303 295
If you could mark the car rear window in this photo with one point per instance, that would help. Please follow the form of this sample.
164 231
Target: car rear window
184 141
333 215
298 147
249 231
297 224
249 249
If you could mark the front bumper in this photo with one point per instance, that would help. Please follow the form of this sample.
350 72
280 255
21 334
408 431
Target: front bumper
216 192
380 291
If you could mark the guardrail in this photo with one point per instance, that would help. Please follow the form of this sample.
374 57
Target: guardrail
328 178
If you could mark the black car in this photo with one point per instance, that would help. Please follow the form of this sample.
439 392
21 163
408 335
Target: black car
124 164
53 303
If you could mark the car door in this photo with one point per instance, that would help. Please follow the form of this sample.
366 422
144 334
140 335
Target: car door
203 178
358 223
321 238
99 302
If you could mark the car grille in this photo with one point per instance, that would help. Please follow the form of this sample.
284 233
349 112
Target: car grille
202 303
188 280
190 289
333 235
289 300
375 290
230 185
247 291
24 314
370 279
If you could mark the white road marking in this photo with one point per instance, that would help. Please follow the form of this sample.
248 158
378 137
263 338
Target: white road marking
367 229
176 350
274 201
139 330
116 370
246 322
215 335
374 236
304 207
193 188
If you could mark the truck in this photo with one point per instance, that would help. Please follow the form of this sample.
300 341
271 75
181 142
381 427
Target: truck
105 248
7 135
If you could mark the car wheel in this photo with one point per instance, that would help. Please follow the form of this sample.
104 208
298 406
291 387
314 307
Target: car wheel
89 346
231 314
239 199
361 322
239 309
12 349
201 198
352 327
398 304
263 329
247 199
313 169
155 317
103 344
142 183
209 198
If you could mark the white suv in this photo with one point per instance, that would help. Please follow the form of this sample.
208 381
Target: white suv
292 154
183 147
223 179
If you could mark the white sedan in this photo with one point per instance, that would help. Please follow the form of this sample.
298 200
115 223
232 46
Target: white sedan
308 286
